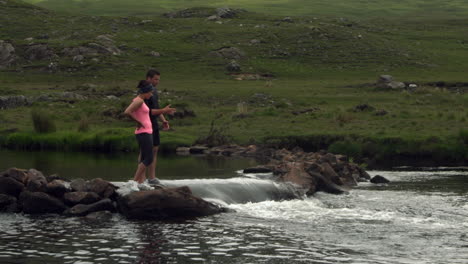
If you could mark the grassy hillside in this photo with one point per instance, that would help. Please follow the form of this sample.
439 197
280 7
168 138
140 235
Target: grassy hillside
309 74
336 8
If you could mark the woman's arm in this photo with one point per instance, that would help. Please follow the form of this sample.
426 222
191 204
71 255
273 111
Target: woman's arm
132 108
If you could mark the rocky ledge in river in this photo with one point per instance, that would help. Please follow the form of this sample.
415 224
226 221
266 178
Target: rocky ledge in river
30 192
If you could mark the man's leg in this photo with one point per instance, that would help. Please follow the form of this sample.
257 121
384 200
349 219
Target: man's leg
152 166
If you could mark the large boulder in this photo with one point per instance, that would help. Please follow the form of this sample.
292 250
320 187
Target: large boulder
10 186
7 54
386 82
18 174
298 176
8 204
58 188
40 203
40 52
74 198
103 188
36 181
14 101
165 203
84 209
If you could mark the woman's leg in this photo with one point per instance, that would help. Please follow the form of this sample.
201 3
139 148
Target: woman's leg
146 156
140 173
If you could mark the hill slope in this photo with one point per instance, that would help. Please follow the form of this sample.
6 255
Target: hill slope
334 8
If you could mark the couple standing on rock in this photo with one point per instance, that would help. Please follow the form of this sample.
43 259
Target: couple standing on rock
145 110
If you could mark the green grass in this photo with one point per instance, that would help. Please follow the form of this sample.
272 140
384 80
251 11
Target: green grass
324 63
349 8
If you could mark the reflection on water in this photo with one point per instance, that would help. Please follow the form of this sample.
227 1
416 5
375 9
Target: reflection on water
121 166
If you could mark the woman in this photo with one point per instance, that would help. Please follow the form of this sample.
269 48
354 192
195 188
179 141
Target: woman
140 113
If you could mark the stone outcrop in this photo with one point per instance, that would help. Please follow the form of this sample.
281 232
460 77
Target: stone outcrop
309 171
30 192
386 82
165 204
7 54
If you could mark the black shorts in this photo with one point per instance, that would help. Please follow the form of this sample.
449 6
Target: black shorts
145 142
156 140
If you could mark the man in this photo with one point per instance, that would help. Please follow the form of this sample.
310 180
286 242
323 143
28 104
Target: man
153 77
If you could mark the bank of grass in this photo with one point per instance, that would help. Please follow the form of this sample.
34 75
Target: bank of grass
106 140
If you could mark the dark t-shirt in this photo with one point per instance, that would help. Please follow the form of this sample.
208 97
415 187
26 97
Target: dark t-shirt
153 103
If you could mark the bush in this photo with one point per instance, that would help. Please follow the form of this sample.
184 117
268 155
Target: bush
83 125
348 148
42 121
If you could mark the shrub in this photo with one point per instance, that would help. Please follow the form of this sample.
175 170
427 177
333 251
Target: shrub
351 149
42 121
83 125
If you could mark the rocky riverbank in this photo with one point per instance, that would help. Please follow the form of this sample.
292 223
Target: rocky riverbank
31 192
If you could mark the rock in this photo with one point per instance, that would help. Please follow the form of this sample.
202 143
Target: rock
226 12
386 82
18 174
213 18
78 58
231 53
79 51
233 66
36 181
155 54
40 203
287 20
84 209
105 49
111 97
14 101
258 169
78 185
7 54
189 12
385 79
103 188
8 204
58 188
40 52
381 112
164 204
72 97
99 216
298 176
198 149
379 179
363 108
74 198
184 113
10 186
183 151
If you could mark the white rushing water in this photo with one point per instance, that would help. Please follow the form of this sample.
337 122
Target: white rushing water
420 217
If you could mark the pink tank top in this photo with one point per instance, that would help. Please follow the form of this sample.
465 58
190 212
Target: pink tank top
142 115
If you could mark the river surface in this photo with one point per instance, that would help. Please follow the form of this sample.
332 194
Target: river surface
420 217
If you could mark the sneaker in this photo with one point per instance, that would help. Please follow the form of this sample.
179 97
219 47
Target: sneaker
144 186
154 181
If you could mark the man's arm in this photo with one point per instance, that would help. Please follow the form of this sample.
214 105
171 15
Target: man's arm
166 110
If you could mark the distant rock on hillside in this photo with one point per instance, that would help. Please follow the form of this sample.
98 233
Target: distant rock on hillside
7 54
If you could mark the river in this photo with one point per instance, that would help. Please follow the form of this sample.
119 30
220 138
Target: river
420 217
